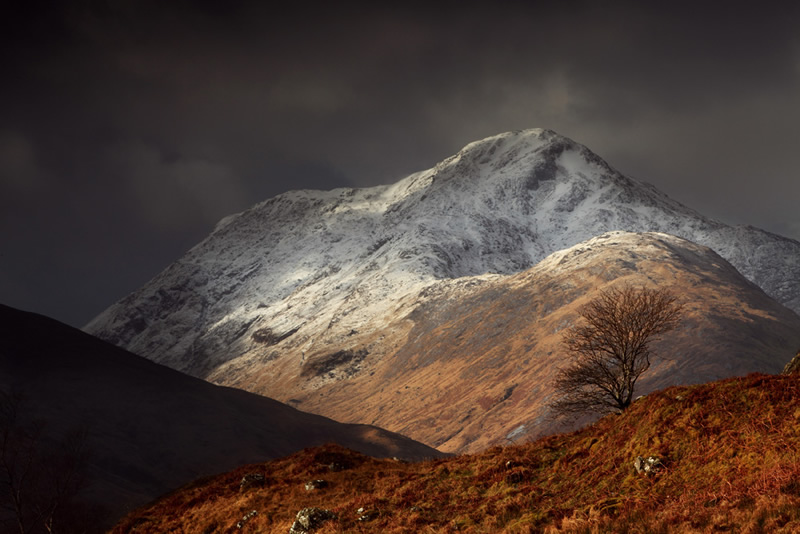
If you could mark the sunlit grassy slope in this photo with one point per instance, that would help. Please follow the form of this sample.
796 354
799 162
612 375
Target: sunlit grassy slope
730 449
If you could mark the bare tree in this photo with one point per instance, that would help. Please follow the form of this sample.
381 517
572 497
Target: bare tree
17 464
612 348
40 483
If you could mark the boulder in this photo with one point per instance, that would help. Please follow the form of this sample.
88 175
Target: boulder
336 467
309 519
251 480
793 366
367 515
316 484
247 517
649 466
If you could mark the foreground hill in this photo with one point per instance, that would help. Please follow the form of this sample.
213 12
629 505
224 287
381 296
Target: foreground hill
151 428
727 462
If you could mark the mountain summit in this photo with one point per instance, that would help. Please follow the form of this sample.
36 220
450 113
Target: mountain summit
322 264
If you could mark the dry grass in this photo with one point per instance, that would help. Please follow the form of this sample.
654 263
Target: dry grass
730 451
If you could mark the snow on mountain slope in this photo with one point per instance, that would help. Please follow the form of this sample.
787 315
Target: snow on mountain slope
311 269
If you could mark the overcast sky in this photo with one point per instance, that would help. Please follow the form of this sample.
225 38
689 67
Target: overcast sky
127 129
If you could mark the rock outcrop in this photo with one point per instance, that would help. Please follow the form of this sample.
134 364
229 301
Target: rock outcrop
309 519
649 466
793 366
252 480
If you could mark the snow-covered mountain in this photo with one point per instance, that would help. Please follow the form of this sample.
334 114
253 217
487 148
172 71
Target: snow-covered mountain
308 270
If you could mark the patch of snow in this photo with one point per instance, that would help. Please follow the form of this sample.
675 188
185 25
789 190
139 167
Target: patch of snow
517 432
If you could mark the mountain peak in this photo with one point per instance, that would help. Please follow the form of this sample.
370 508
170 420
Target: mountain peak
523 155
532 139
317 265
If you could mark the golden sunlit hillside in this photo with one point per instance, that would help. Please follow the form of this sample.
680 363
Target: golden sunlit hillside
725 459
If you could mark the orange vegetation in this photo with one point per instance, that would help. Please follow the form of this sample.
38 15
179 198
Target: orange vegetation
730 451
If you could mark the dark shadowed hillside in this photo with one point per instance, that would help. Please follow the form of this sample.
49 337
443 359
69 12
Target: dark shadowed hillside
151 428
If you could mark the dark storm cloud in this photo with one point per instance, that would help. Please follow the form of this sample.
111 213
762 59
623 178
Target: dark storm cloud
127 129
